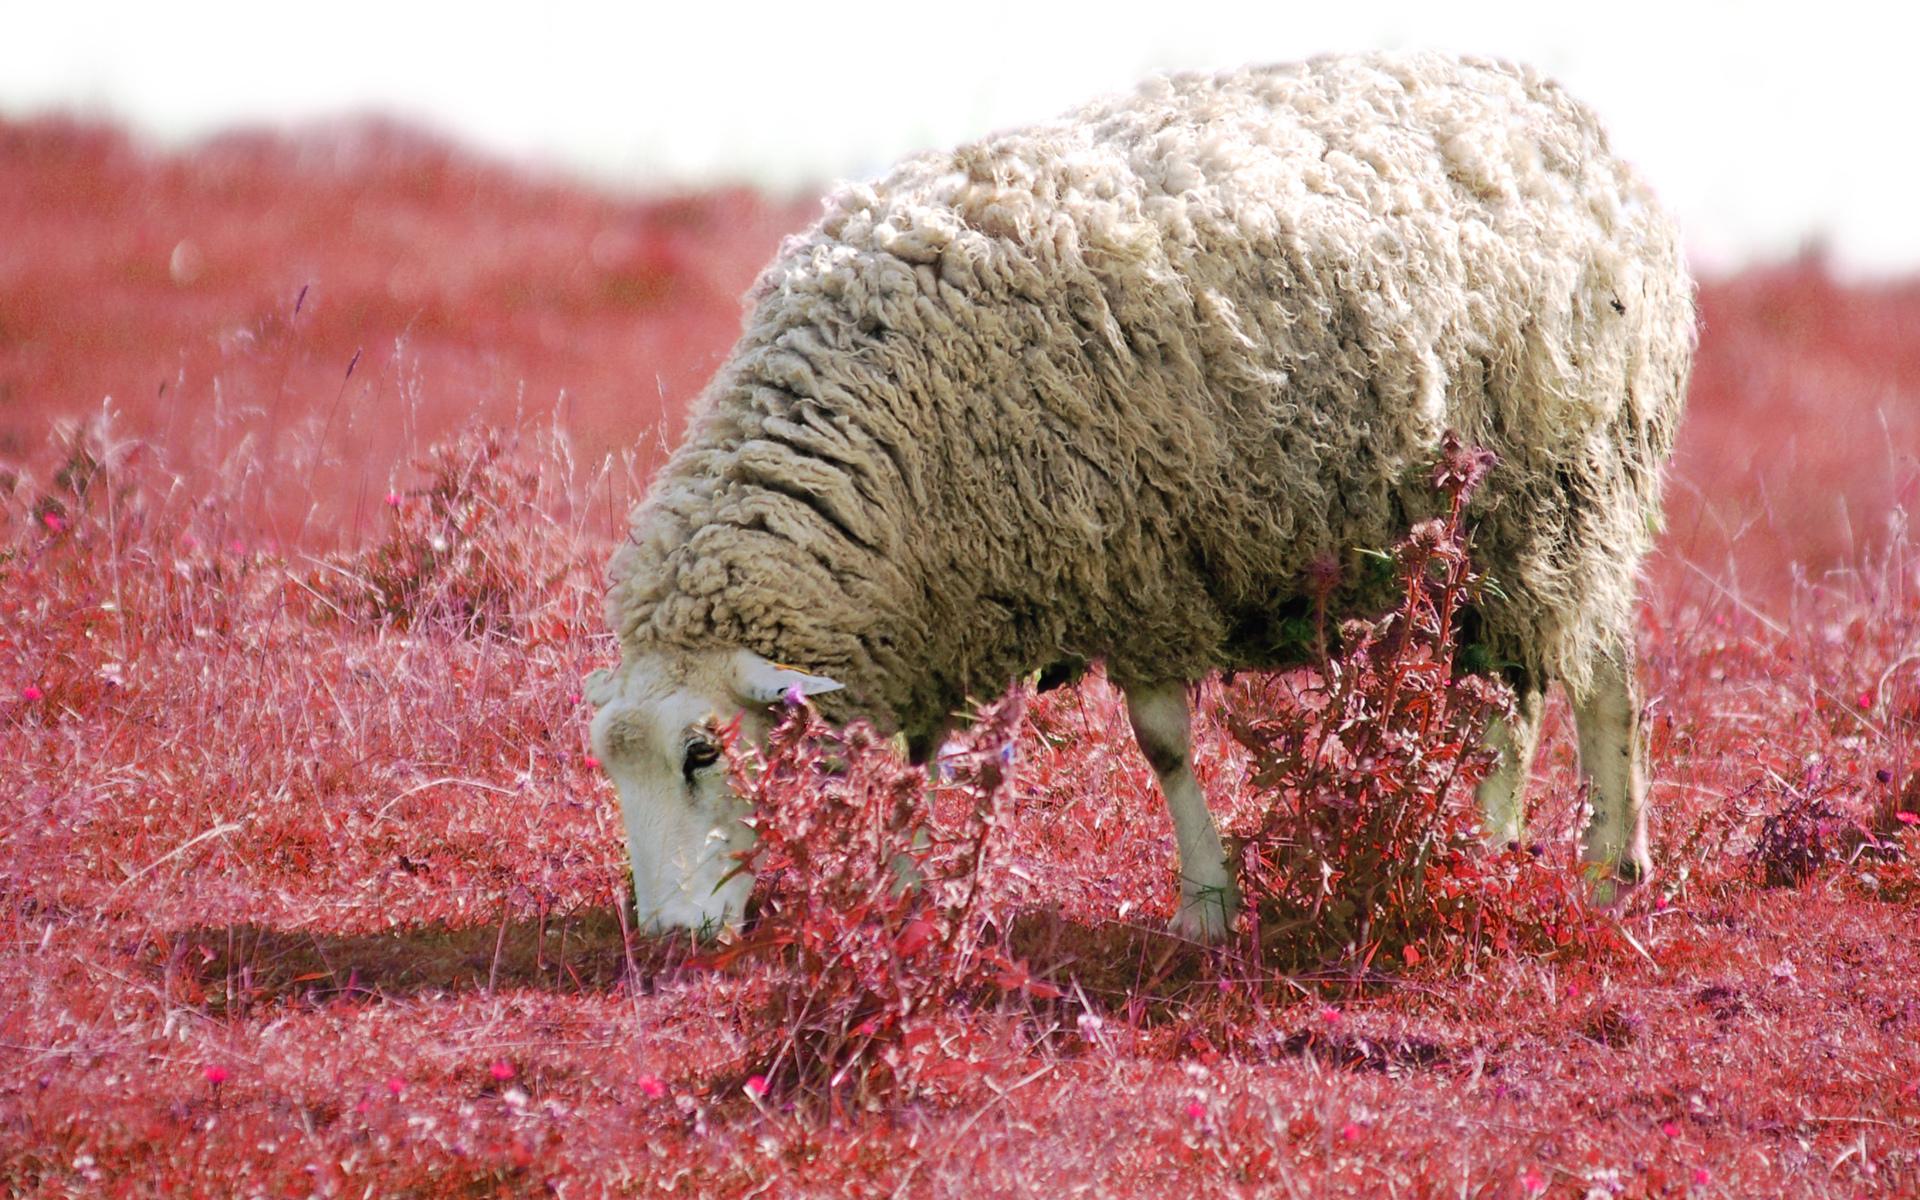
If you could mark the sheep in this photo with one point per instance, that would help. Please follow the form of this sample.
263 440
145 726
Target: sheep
1107 388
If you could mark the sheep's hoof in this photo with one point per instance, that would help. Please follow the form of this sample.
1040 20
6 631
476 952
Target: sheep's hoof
907 876
1206 916
1613 882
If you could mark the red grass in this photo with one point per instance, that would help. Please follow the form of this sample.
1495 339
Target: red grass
310 887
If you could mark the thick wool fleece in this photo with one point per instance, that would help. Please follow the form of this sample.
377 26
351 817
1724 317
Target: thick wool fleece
1107 387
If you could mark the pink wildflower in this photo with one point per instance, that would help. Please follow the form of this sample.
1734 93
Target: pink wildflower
395 1086
1195 1110
651 1087
1670 1128
593 764
1462 466
31 692
1330 1015
1702 1177
393 499
1533 1182
1350 1132
757 1085
54 521
502 1070
216 1075
1907 818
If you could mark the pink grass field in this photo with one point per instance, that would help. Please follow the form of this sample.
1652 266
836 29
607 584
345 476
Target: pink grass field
312 888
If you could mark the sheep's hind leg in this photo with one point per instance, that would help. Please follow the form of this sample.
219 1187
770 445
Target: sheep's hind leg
1612 757
1161 724
1503 793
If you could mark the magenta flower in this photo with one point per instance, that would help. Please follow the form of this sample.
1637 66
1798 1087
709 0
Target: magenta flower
215 1075
31 692
651 1087
1462 466
502 1070
757 1085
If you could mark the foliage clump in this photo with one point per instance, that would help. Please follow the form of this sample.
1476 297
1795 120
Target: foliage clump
1804 831
880 895
1367 849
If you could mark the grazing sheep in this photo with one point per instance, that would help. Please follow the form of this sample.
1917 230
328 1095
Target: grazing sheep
1106 388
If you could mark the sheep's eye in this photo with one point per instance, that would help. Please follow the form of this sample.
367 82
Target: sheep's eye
700 754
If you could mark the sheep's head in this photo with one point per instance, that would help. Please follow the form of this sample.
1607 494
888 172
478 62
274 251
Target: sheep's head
657 735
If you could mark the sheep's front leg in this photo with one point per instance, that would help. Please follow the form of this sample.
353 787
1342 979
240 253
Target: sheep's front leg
1503 793
1612 757
1208 900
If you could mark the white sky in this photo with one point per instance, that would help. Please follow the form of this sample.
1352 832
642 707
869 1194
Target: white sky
1763 124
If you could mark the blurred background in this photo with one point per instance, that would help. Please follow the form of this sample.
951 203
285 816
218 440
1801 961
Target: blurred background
335 232
1765 125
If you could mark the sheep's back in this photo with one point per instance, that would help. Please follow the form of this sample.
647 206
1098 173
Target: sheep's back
1295 278
1109 385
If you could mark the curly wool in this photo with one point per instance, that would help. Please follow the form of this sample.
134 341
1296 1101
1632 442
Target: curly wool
1108 387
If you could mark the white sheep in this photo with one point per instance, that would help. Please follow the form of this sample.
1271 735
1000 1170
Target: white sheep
1105 388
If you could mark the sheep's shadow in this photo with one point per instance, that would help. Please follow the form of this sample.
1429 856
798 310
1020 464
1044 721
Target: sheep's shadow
1109 965
1138 975
235 967
585 951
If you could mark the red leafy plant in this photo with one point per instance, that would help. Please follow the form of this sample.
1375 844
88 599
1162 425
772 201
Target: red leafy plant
1811 823
1804 831
878 892
1367 849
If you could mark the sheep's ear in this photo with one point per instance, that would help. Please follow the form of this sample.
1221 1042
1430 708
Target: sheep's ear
762 681
598 687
